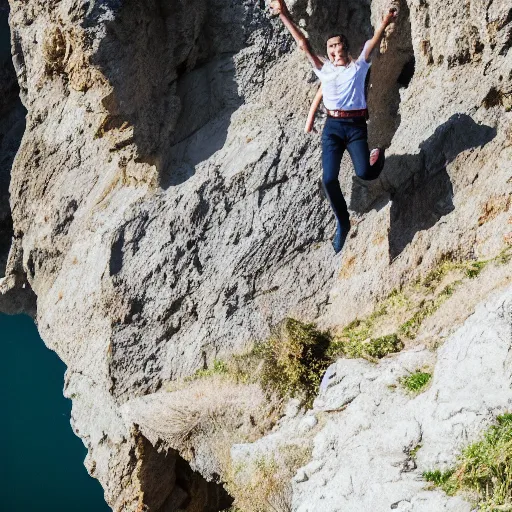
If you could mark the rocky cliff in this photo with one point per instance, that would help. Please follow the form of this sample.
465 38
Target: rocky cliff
167 210
12 126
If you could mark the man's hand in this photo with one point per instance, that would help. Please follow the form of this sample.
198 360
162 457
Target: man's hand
310 128
391 16
279 7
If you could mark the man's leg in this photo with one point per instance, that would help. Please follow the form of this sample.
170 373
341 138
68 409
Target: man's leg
333 147
357 146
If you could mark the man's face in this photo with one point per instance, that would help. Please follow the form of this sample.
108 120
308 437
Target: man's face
336 51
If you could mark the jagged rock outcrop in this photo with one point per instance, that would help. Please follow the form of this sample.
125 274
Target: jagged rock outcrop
167 207
376 440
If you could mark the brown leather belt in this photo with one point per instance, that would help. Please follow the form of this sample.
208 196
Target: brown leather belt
348 113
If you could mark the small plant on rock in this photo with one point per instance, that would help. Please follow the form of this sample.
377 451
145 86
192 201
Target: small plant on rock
416 382
218 368
438 477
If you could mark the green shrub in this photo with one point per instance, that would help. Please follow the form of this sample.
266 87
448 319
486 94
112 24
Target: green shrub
381 347
484 468
375 348
416 381
437 477
294 359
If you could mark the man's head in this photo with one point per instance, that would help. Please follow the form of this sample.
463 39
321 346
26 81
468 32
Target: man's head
338 49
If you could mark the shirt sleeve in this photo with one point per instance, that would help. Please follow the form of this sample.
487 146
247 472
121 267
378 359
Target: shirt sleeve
321 73
364 54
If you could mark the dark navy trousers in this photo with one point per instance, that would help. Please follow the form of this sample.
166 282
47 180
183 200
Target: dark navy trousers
350 134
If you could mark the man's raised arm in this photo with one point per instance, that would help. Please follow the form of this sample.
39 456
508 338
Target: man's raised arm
374 41
279 7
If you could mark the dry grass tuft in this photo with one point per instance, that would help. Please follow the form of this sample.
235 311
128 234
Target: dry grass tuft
264 485
207 406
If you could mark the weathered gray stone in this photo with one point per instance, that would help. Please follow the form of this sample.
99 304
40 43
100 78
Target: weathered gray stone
365 451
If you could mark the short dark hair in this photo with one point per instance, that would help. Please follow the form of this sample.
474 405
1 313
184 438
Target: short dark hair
343 40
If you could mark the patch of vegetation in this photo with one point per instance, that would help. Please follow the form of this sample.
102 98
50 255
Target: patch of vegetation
240 368
360 330
357 331
470 268
426 308
448 290
397 299
473 268
416 381
437 477
483 468
294 360
257 488
436 275
375 348
381 347
411 327
218 368
504 256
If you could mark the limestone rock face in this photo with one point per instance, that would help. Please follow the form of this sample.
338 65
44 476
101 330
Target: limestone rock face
167 206
374 452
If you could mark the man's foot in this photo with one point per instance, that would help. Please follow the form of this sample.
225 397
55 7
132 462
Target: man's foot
339 239
374 156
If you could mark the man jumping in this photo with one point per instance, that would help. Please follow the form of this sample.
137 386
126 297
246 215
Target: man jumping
343 81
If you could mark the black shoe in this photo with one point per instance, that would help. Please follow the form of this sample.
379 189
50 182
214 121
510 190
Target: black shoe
339 239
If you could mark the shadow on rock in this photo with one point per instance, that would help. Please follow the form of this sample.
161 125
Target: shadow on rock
172 74
12 128
208 96
419 186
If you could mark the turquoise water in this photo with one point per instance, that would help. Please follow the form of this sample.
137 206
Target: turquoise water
42 460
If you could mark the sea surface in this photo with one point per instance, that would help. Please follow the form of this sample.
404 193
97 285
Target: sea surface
42 460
